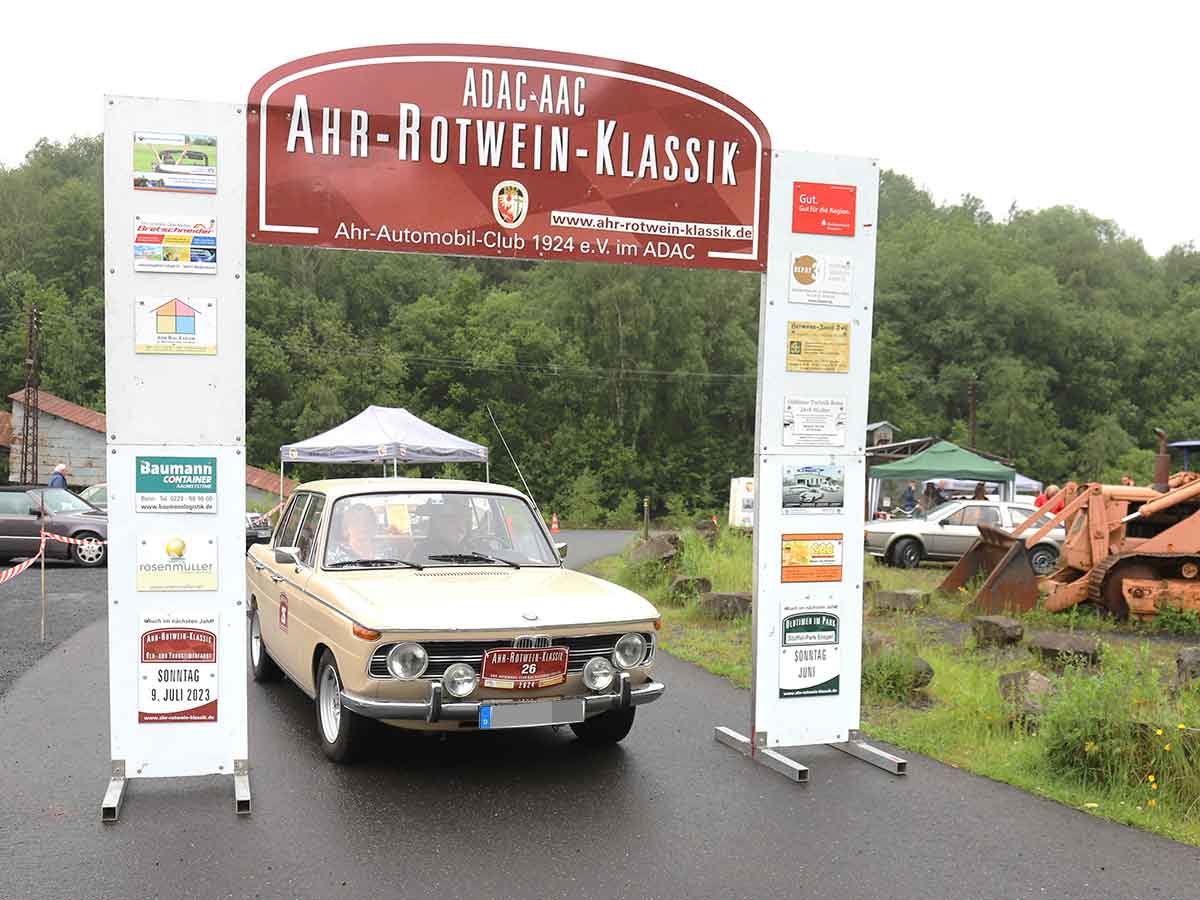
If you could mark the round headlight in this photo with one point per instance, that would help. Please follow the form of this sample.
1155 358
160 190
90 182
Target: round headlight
407 660
629 650
598 673
460 679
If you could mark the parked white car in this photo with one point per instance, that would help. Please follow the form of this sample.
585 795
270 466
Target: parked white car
948 531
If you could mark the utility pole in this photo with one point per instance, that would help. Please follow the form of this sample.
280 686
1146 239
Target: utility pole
971 411
33 375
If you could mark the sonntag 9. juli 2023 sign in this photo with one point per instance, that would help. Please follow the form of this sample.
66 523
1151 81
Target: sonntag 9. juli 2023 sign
492 151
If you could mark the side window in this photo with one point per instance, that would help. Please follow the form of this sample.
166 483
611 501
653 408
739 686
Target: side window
956 518
980 515
307 538
15 503
1021 513
291 526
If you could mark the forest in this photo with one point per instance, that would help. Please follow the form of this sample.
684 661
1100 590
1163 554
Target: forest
613 382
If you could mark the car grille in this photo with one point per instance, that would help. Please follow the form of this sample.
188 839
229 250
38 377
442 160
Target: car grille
443 654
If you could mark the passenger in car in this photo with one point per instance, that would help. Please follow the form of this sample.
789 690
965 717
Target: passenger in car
353 535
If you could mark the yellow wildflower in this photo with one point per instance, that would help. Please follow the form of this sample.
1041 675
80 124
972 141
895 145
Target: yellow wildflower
1158 731
1167 747
1150 777
1152 802
1154 787
1090 747
1181 726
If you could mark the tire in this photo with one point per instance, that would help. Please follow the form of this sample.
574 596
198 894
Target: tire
262 667
90 556
907 553
605 729
1043 559
342 733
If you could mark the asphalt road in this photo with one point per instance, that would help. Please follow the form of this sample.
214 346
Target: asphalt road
668 813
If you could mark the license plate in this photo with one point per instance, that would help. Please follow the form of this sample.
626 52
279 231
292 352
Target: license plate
524 670
531 713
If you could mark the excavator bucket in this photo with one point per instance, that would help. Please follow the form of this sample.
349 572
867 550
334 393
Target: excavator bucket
1011 584
982 557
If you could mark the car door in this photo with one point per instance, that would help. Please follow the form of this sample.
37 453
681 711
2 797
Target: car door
20 532
961 529
273 598
934 531
300 617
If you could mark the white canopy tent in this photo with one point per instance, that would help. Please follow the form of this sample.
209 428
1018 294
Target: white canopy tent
382 434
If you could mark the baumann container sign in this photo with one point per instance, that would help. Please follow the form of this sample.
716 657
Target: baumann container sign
490 151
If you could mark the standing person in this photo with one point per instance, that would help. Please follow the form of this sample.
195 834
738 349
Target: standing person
59 478
1046 499
980 491
908 500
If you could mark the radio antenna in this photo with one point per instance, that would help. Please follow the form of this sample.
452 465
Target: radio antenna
524 483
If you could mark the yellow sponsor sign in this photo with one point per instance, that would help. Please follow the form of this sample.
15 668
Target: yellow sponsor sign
818 347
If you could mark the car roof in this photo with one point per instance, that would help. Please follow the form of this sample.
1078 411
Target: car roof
342 487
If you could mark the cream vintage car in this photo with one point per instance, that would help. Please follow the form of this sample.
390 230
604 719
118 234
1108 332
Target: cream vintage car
441 605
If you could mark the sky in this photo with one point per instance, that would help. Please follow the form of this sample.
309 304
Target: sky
1038 104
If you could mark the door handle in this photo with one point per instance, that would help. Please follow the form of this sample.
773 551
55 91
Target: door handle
258 567
277 578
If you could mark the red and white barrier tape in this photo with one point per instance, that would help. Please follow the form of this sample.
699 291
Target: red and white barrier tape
70 540
9 574
276 508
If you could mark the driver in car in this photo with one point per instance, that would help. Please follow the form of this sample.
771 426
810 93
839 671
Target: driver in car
450 526
355 537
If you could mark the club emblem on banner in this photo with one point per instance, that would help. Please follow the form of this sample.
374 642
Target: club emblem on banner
510 203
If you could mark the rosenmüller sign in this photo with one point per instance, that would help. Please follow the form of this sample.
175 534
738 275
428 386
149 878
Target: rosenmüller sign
496 151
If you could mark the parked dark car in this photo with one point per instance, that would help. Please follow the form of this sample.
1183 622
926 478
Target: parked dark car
21 509
258 529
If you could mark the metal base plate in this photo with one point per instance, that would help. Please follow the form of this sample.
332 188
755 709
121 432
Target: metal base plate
789 768
110 806
860 749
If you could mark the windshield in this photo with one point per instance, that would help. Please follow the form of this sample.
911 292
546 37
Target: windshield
940 508
60 500
435 529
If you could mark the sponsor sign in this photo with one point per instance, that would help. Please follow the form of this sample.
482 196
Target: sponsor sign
175 484
177 561
823 280
177 671
175 325
810 665
818 347
489 151
174 161
187 245
814 421
823 208
813 489
741 502
811 557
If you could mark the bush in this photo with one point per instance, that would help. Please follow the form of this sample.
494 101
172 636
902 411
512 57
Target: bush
1118 728
890 676
1177 620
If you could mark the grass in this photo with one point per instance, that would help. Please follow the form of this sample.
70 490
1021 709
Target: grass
1109 741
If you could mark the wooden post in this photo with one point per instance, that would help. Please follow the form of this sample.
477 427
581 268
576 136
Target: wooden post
646 518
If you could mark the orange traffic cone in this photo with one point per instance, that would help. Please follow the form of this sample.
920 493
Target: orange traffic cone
554 523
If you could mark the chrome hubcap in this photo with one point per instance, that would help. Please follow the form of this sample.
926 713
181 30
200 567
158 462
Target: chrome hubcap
255 639
331 704
91 552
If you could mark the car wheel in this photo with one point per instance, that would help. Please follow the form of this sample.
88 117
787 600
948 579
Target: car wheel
262 666
907 553
340 730
92 554
1043 560
607 728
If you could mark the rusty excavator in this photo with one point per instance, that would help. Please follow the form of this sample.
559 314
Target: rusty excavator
1129 550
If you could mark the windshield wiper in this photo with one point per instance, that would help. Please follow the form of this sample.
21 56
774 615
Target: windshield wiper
472 557
374 562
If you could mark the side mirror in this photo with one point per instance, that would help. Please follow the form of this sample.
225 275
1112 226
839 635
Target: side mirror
942 523
561 547
286 555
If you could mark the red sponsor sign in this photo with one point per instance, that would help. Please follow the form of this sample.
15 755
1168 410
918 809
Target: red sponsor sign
823 208
502 152
524 670
192 645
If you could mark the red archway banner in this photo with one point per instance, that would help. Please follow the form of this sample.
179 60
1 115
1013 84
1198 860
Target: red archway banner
505 152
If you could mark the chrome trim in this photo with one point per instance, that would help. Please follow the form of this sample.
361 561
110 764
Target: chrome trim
435 710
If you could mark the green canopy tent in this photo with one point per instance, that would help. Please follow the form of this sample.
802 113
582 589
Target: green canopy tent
942 460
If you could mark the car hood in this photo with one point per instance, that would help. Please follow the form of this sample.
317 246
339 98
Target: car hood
891 526
480 598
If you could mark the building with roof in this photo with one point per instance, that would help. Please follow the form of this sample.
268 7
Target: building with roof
74 434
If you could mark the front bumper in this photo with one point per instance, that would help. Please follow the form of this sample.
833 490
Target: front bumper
435 710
